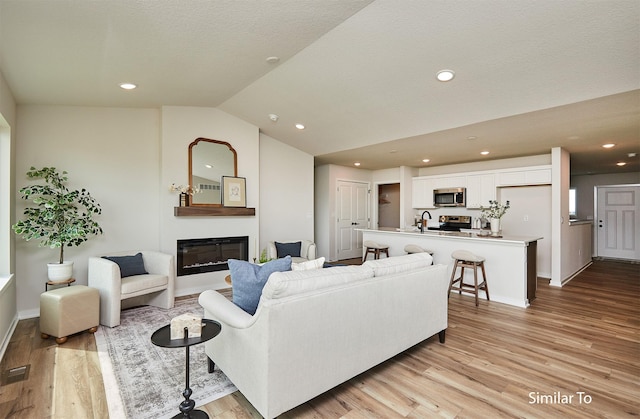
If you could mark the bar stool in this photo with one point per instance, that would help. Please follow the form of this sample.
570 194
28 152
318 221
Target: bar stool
375 248
414 248
465 259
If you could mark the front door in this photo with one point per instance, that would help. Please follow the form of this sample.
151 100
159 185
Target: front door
352 213
618 222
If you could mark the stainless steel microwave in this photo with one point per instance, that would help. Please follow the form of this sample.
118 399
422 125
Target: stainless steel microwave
452 197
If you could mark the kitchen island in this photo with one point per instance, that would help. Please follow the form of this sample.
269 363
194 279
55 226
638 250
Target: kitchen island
510 261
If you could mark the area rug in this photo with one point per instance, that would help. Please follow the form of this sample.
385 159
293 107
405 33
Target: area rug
146 381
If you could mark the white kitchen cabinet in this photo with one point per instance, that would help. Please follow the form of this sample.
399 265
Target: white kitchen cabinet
481 188
529 176
481 185
450 182
538 176
422 193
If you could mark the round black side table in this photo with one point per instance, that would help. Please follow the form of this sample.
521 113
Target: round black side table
162 337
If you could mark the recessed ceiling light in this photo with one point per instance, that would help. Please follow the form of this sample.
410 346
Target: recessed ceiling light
471 137
610 145
445 75
274 117
273 60
631 155
208 166
621 163
356 163
128 86
484 153
393 151
425 160
299 126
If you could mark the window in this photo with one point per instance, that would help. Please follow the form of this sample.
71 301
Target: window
572 203
5 197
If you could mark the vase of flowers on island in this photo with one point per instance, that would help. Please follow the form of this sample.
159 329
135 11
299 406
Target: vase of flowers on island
494 213
185 193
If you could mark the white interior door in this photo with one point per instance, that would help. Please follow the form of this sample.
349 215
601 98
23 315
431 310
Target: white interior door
352 213
618 222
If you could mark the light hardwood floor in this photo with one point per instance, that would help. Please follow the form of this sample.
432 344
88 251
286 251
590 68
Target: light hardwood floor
574 353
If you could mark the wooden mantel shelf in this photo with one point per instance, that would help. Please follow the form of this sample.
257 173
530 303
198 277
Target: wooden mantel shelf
203 211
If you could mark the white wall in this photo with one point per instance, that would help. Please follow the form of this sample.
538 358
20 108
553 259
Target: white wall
127 158
286 176
114 154
529 215
7 156
406 195
585 189
580 241
323 204
8 294
560 243
381 177
181 126
326 180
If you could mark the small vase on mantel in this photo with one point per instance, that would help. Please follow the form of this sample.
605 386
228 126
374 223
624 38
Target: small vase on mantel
495 226
184 199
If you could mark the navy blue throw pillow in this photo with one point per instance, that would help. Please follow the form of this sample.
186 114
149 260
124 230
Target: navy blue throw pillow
291 249
129 265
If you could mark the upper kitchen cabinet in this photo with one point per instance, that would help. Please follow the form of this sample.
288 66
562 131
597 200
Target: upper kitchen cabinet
481 185
423 187
451 181
538 175
422 193
481 188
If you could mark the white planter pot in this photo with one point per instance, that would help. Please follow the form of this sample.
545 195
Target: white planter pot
60 271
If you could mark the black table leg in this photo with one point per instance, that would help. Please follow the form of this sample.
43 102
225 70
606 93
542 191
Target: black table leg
186 407
162 337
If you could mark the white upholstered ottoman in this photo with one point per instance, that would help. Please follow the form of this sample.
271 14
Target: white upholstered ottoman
69 310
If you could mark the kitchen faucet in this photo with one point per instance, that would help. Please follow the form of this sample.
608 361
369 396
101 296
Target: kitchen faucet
422 220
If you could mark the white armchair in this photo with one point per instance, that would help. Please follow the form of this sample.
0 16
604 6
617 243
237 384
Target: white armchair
307 250
157 288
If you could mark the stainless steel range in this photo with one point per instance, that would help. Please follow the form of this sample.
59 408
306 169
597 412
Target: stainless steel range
452 222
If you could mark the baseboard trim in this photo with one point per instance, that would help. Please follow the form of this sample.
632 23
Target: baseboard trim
8 335
566 280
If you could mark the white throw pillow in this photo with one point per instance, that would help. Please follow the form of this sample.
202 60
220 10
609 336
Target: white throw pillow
310 264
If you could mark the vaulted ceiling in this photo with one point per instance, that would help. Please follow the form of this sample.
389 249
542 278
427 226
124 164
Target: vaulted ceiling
359 74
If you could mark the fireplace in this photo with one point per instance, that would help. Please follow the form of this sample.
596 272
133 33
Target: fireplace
209 255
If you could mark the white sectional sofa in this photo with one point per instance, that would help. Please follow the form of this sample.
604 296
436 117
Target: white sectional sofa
316 329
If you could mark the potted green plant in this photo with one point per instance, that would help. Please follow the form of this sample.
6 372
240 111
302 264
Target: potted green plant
60 217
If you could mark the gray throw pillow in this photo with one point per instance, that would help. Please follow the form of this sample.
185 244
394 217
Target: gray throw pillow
248 280
129 265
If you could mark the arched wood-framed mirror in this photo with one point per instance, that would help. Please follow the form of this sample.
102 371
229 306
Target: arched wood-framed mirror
209 160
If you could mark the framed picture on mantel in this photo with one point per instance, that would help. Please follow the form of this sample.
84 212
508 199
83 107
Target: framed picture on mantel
234 191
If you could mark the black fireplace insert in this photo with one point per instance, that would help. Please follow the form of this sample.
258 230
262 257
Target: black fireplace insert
209 255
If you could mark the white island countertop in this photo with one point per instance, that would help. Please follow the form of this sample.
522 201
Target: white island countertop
510 261
464 234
